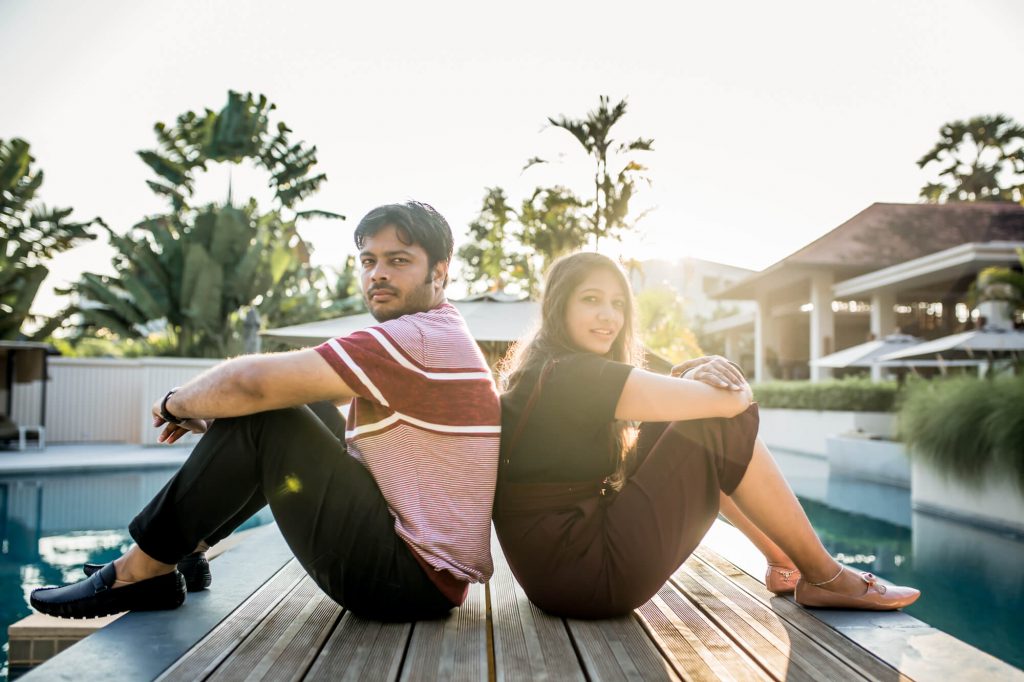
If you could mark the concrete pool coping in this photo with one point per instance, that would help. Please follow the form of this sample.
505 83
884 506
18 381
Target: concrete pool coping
73 458
912 646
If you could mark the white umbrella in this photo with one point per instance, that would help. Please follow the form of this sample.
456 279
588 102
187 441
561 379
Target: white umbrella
866 354
985 341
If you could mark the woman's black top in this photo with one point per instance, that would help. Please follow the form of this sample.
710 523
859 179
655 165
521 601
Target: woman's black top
568 433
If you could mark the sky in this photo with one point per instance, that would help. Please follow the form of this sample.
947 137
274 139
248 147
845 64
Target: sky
772 122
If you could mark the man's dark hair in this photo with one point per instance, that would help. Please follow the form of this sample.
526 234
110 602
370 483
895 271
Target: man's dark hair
416 223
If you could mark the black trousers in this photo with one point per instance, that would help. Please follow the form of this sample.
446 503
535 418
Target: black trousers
326 504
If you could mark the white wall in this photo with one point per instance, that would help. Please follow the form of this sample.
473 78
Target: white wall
103 399
807 431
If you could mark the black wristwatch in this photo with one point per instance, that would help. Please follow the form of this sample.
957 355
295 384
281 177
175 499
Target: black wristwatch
165 414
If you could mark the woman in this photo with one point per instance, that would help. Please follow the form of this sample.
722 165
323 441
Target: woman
594 515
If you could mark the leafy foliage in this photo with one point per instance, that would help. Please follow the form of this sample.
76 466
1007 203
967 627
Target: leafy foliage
491 261
967 427
857 395
1000 284
981 159
662 327
30 233
192 270
510 248
616 171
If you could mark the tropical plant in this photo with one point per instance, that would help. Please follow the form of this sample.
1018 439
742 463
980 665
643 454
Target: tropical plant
491 260
30 234
616 172
966 426
662 327
552 224
192 270
511 249
981 159
1001 284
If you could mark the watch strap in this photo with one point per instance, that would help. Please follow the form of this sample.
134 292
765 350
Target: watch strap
165 414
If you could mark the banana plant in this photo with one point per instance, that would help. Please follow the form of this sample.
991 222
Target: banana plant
30 234
191 272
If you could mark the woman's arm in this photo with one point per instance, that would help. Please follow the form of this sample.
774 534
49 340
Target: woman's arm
652 397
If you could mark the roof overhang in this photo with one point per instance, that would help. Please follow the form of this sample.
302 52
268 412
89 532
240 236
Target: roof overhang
487 320
731 323
941 266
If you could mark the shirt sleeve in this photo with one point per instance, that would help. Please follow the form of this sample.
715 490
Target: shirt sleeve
369 368
587 387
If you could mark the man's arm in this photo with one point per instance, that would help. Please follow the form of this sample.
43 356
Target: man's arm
250 384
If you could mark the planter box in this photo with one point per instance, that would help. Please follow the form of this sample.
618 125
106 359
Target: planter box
880 461
807 431
997 504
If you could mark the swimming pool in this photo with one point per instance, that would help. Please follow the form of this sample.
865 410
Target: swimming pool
51 524
971 578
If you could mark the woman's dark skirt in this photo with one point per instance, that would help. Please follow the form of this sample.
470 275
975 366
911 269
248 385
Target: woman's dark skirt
582 551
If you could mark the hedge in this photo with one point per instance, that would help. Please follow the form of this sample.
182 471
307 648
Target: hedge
967 427
858 395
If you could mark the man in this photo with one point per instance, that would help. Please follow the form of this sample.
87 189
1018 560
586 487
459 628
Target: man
394 523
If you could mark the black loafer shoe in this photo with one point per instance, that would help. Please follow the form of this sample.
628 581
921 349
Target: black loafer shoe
95 596
195 567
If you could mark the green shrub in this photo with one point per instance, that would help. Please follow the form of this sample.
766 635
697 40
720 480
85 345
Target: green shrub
966 426
858 395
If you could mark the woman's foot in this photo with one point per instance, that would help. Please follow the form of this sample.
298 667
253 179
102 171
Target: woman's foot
781 579
852 590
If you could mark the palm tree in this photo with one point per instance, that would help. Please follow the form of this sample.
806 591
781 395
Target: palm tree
30 233
613 188
981 159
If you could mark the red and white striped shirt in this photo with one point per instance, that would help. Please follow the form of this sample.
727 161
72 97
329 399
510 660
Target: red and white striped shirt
426 424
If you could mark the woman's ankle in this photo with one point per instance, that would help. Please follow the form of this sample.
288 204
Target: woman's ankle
823 574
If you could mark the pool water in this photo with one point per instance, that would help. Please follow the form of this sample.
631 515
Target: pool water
971 578
51 524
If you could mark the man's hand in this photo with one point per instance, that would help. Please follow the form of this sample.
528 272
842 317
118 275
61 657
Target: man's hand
172 432
713 370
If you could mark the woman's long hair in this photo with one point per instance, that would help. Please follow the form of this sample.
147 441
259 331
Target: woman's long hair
553 339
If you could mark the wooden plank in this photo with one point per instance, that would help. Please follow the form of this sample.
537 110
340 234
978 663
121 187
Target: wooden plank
780 648
209 652
842 647
362 650
528 643
618 649
455 648
697 649
284 644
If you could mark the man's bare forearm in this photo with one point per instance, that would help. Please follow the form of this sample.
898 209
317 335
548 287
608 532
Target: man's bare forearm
229 389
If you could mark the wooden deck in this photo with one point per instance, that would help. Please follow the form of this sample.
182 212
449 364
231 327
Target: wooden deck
710 622
266 620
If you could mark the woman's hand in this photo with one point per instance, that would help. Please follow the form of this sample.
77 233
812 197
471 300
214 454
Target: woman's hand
713 370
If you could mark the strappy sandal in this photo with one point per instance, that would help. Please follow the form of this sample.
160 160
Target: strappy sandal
781 580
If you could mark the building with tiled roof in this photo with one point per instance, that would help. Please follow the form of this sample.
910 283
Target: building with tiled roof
890 267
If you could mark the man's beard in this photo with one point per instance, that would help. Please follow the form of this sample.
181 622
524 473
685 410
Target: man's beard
417 300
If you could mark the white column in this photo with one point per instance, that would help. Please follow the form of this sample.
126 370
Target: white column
883 315
731 346
883 323
823 323
762 334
